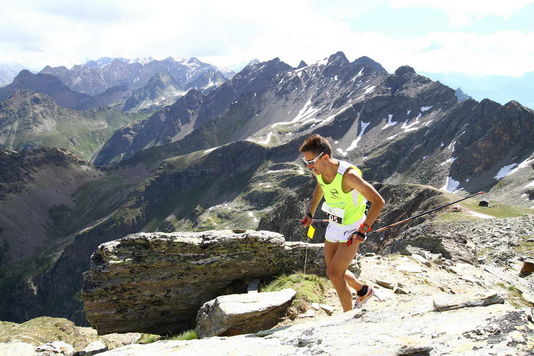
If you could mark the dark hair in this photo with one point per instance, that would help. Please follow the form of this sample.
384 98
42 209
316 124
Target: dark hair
316 144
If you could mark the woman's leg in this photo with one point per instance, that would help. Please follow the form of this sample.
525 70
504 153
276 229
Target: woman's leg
330 249
352 281
350 278
338 259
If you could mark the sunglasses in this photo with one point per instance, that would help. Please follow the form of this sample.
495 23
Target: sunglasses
314 160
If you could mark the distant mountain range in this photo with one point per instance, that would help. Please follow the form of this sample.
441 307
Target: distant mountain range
95 76
403 126
94 79
127 85
227 157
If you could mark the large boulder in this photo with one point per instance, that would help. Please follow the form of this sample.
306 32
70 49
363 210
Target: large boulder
156 282
236 314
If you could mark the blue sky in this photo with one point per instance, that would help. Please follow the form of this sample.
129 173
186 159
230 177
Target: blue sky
472 37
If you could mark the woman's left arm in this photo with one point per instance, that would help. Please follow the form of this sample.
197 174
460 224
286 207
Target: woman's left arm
354 181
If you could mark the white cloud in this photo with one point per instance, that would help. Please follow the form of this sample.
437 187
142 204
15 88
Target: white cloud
462 12
498 53
232 33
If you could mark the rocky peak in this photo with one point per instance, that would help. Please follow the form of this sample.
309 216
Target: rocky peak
46 84
160 80
302 64
404 70
28 80
252 63
369 63
337 58
257 75
99 63
405 76
461 96
515 105
512 103
192 60
23 74
117 63
336 65
22 97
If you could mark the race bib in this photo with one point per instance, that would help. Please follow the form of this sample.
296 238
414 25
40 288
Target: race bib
334 214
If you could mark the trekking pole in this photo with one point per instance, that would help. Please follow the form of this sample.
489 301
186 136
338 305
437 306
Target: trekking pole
424 213
410 218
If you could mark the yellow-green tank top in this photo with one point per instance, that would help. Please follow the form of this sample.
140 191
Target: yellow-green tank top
351 203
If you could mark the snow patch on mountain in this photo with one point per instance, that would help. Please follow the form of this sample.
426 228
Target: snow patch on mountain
304 116
450 160
512 168
354 143
390 122
141 60
506 170
451 185
369 89
410 127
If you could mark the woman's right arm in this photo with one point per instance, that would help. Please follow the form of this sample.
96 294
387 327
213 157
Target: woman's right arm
316 199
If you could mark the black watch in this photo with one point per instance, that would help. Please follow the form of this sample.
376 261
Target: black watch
363 236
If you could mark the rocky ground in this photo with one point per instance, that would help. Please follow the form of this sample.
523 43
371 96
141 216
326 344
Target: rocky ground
472 303
407 316
57 336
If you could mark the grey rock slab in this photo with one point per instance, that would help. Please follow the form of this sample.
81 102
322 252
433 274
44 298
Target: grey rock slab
407 350
308 314
386 284
55 348
116 340
465 302
410 268
401 290
93 348
16 349
327 308
384 332
242 313
421 259
383 294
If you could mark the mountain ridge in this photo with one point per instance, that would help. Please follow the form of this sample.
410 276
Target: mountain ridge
95 79
31 120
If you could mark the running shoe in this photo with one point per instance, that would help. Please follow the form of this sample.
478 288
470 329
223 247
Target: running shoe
361 300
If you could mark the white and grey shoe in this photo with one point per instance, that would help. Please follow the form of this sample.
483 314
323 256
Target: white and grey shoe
360 300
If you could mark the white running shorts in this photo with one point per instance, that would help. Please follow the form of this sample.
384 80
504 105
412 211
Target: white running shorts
341 233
